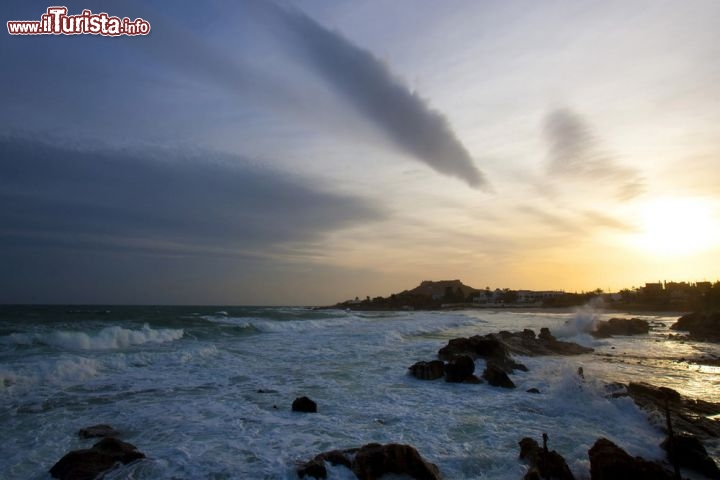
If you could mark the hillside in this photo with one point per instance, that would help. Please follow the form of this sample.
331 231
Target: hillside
439 288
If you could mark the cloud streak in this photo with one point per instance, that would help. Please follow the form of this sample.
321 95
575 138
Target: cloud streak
573 153
380 97
159 201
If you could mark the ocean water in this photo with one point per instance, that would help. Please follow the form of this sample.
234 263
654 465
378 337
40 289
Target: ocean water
205 392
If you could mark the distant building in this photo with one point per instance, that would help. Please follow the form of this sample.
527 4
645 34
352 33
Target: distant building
532 296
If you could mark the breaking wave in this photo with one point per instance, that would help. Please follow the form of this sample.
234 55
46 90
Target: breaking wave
108 338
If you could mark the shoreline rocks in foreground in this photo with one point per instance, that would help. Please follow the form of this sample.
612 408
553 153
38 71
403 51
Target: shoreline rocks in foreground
372 461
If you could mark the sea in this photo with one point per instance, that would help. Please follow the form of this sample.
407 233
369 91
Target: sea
206 392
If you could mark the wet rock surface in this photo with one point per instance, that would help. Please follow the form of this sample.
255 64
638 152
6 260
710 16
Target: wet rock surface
89 463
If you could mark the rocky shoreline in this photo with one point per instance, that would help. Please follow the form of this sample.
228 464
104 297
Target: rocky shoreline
686 422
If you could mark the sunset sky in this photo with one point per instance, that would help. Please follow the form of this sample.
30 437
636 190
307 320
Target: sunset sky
307 152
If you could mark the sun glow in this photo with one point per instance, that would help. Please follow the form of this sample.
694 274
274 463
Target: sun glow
674 227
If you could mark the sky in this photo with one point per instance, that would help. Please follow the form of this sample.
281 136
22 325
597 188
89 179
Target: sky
302 153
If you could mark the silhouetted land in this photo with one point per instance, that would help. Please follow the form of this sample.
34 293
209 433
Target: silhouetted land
449 294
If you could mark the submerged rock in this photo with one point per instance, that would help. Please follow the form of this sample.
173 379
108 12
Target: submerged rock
689 452
98 431
703 325
543 464
89 463
621 326
610 462
304 404
372 461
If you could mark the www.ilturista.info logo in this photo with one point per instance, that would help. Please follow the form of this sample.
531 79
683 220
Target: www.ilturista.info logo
57 22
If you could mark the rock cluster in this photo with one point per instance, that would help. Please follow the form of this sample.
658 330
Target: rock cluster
621 326
459 369
497 347
457 358
372 461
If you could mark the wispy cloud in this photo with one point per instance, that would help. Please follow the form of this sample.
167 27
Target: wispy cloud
378 95
574 152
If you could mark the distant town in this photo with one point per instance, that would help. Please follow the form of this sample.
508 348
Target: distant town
449 294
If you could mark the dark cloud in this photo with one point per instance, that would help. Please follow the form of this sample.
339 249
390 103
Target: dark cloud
574 153
371 88
159 201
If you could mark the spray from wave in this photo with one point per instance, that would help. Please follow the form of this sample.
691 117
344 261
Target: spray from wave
583 322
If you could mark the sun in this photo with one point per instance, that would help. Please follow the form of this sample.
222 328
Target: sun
678 226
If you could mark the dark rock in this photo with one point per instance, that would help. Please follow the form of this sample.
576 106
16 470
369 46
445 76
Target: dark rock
304 404
459 368
497 377
428 370
658 394
373 461
486 347
97 431
314 468
689 452
703 325
610 462
621 326
533 390
687 415
89 463
472 379
546 336
543 464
